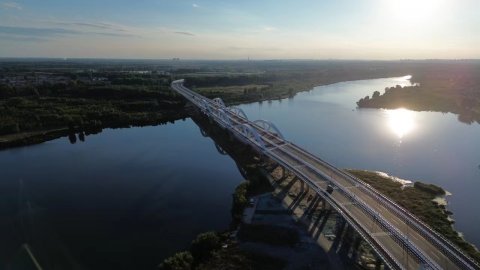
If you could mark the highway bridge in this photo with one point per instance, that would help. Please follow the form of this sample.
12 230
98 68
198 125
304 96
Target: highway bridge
399 238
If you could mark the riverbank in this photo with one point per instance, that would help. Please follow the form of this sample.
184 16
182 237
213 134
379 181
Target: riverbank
276 89
80 132
422 200
26 120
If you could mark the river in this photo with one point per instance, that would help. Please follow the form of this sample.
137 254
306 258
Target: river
127 198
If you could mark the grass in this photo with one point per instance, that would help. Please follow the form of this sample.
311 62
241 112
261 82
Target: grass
419 201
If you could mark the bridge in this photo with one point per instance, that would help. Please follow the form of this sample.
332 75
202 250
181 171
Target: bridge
400 239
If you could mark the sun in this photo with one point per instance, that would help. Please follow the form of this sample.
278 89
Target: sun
408 12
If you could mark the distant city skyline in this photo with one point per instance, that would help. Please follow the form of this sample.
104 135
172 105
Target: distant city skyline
214 29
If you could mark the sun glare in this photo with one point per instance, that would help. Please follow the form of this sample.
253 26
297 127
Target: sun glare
409 12
401 121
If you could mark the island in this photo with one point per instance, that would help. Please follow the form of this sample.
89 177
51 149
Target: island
453 88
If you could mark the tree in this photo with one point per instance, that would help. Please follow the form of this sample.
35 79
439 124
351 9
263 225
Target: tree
179 261
376 94
72 138
203 246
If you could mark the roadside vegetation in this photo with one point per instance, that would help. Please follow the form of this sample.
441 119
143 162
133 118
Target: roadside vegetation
419 200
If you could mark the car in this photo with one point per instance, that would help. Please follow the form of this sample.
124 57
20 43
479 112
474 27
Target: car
329 189
251 202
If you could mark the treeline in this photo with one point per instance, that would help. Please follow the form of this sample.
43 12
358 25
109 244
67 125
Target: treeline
222 80
446 97
211 250
20 114
80 106
84 91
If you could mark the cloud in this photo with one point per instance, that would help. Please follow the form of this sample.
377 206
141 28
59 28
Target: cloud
21 38
195 5
269 28
11 5
112 34
236 48
97 25
184 33
32 33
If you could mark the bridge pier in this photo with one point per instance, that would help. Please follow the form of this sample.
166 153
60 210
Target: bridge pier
304 187
314 202
346 240
356 248
378 263
231 137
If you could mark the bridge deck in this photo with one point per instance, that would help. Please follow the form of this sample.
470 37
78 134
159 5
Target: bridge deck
400 239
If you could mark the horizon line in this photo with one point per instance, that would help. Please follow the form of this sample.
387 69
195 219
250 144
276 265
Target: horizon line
234 59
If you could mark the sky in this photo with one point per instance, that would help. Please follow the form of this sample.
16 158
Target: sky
255 29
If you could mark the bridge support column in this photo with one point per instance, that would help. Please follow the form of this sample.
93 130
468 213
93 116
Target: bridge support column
324 203
304 187
378 263
346 241
284 173
340 225
355 247
231 137
312 202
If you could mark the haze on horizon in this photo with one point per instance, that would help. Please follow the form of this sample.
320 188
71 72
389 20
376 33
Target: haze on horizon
215 29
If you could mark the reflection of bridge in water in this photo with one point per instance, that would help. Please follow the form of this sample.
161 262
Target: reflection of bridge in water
222 144
400 239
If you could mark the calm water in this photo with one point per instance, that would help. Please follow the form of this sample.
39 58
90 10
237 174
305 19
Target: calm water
127 198
123 199
420 146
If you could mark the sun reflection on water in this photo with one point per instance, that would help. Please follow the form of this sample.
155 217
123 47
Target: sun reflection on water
401 121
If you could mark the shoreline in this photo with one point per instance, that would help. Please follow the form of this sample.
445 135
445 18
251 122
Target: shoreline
278 88
24 139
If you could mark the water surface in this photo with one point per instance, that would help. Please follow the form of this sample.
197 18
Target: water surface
123 199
